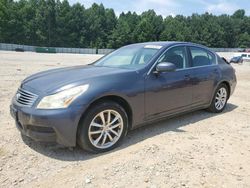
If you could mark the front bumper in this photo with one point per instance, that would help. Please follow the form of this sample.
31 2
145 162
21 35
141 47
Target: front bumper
59 125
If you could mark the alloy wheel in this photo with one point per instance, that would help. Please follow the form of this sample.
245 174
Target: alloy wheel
105 129
221 98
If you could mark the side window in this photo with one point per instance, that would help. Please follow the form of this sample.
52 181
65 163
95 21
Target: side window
202 57
176 55
212 58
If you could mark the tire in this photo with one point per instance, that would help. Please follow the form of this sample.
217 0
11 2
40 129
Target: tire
93 136
220 98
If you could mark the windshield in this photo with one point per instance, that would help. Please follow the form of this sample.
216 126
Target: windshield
130 57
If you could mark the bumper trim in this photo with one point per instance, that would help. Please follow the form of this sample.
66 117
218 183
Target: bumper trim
37 136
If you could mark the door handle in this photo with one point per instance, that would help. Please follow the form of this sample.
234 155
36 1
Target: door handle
187 77
215 70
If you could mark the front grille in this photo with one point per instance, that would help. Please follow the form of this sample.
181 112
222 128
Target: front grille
25 98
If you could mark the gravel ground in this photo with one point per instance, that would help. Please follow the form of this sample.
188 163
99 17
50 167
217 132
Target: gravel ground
198 149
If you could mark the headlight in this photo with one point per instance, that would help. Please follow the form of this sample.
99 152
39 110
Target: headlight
62 99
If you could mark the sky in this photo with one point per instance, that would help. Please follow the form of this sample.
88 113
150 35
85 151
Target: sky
172 7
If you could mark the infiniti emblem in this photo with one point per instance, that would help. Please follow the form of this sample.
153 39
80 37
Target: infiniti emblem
18 95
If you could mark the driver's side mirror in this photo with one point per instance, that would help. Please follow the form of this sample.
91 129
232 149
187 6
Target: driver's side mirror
165 67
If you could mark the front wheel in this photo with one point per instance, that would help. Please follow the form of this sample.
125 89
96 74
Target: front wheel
103 127
220 99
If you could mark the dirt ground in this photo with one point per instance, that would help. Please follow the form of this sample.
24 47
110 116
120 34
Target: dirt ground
198 149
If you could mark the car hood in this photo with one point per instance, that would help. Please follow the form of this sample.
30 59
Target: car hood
53 80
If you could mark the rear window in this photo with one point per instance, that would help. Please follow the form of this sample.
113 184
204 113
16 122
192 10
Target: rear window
202 57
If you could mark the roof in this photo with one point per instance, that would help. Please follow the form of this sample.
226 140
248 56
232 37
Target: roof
167 43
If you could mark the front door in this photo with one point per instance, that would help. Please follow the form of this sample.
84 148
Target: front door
169 92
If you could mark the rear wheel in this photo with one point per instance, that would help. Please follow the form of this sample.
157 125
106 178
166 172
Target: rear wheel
220 99
103 127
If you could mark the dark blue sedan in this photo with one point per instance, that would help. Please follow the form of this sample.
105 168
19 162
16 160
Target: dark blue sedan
95 105
237 59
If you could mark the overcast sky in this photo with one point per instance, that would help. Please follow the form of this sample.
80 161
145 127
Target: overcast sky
172 7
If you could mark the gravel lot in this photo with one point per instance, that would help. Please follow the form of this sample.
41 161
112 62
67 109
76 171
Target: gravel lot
198 149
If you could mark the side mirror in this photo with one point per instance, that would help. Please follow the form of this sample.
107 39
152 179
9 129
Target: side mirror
165 67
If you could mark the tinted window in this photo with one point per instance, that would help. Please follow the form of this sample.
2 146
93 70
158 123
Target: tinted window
175 55
202 57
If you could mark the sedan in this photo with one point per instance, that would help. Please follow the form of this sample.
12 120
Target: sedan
237 59
95 105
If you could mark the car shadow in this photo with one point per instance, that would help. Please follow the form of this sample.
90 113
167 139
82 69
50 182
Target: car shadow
175 124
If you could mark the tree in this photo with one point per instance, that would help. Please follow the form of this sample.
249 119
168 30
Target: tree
57 23
244 40
63 30
176 29
3 20
77 26
229 31
150 27
98 22
41 24
124 31
239 14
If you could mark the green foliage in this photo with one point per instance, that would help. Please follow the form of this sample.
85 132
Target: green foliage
239 14
57 23
124 31
149 27
244 40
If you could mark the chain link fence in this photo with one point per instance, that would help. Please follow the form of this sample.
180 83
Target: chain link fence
18 47
227 49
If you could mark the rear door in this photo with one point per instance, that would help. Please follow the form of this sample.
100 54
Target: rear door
205 71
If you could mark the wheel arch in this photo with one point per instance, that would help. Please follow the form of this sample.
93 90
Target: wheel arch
115 98
218 84
228 87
